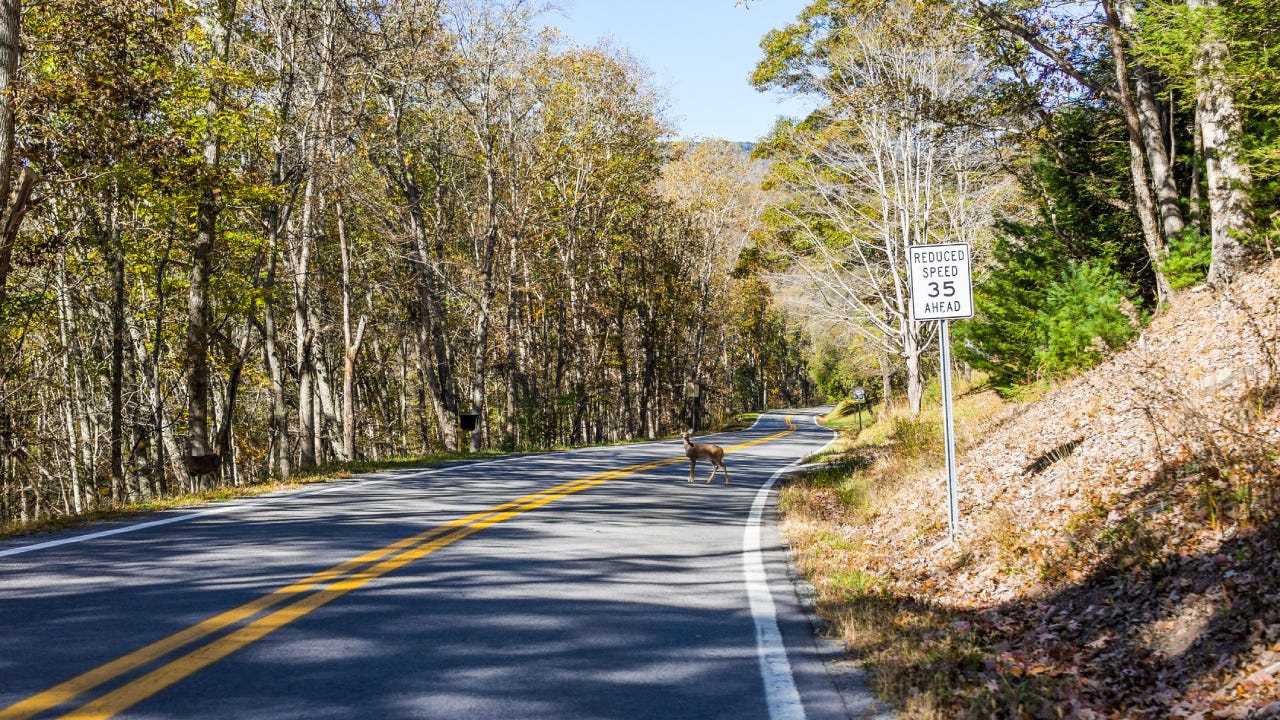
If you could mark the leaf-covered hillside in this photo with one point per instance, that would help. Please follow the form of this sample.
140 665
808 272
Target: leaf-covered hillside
1118 546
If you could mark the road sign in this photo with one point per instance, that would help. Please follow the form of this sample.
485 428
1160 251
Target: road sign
859 397
941 281
941 284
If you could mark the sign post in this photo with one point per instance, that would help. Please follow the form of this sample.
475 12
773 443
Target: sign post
693 391
859 397
953 502
941 286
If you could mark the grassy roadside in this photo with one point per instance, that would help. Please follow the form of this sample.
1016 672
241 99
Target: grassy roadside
915 649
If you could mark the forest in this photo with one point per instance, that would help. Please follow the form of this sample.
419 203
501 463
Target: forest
1097 156
246 239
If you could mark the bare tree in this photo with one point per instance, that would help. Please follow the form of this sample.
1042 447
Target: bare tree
885 172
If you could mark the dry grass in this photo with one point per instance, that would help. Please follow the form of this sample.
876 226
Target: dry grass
825 515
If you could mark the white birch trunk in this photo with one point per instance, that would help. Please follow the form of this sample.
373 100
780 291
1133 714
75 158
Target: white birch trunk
1227 176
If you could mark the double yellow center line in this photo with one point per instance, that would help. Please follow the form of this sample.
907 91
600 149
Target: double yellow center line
298 599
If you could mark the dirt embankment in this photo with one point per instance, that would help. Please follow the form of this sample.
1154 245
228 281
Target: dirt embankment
1119 551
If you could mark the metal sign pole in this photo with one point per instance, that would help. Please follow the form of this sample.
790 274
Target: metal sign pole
941 285
953 504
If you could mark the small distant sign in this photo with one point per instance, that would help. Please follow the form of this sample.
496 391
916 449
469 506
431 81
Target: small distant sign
941 281
859 394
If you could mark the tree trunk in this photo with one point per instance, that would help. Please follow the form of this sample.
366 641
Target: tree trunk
304 344
198 451
10 45
159 427
886 382
328 424
1158 159
1195 212
1144 203
11 220
1151 127
16 197
275 220
279 422
10 48
350 343
510 425
80 494
109 239
480 360
1229 178
911 350
225 448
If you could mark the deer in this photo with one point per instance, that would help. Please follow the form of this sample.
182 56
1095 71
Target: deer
696 452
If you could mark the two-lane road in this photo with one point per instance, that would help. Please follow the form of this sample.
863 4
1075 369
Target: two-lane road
586 584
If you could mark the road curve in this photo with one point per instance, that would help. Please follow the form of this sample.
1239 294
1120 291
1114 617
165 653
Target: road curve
595 583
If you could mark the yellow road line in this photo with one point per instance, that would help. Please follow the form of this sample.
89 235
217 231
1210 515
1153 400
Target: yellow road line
344 579
153 682
791 427
69 690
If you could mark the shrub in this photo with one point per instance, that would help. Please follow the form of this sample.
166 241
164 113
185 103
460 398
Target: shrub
1188 260
1087 313
918 438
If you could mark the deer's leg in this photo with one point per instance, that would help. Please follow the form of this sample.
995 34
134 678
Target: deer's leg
692 464
713 470
726 472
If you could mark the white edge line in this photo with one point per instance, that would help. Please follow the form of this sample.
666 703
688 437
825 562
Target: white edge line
381 476
227 508
781 695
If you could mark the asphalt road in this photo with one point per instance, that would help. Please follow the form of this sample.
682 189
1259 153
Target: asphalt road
588 584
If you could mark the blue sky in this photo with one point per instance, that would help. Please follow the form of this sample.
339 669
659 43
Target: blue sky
700 51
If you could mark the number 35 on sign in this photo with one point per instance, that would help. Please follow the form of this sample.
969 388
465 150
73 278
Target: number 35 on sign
941 281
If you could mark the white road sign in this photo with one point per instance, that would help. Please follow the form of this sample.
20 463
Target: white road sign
941 281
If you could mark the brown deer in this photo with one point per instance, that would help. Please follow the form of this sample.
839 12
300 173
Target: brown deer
696 452
202 464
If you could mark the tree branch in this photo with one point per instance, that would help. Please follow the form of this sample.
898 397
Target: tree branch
11 219
1021 31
